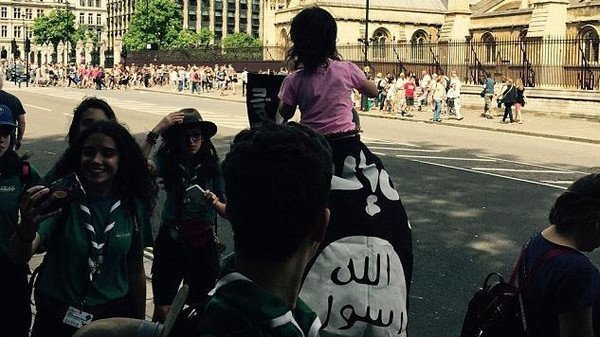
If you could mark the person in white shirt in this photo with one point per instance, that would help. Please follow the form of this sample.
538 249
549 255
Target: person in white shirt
456 84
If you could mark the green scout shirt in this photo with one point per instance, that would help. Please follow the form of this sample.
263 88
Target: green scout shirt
11 189
256 311
195 204
65 277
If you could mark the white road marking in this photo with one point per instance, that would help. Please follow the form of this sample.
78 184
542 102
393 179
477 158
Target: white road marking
528 164
385 142
402 149
380 154
67 114
490 174
445 158
569 182
37 107
516 170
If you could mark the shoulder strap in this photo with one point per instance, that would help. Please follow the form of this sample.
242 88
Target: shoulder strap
26 173
539 261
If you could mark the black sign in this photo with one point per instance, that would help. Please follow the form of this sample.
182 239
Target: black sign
261 98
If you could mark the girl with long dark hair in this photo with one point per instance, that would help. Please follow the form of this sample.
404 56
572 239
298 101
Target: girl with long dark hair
93 266
186 248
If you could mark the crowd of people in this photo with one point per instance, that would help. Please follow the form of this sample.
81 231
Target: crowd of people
301 199
192 78
404 94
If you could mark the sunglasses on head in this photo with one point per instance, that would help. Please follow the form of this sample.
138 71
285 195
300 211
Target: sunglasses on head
194 136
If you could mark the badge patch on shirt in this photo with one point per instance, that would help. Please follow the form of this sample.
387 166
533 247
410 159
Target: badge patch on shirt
77 318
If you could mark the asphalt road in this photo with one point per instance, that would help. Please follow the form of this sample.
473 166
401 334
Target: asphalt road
473 197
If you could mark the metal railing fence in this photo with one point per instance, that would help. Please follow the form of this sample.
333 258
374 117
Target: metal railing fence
570 63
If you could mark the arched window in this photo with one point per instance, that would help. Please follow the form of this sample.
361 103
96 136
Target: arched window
489 45
590 43
417 47
380 36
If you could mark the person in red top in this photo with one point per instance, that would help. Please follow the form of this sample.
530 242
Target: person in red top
409 94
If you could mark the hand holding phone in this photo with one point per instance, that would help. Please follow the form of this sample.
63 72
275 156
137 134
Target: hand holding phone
61 193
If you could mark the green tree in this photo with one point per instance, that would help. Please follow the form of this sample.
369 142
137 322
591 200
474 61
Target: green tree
205 35
159 22
186 39
56 27
238 40
82 33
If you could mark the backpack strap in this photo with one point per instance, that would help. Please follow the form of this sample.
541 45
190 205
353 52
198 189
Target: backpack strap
25 173
539 261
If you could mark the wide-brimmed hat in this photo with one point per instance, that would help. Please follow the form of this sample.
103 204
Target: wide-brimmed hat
193 118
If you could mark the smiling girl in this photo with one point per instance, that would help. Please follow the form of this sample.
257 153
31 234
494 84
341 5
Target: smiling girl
93 267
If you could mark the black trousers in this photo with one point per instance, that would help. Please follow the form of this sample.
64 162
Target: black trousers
175 261
15 315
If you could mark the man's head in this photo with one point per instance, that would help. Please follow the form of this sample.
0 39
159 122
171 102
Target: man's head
277 182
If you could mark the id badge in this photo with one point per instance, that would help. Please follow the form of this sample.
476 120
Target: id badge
77 318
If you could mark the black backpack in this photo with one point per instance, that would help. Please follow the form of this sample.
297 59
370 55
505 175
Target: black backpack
496 309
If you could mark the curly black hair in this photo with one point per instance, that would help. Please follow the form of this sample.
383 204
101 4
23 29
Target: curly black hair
132 181
87 103
277 181
313 33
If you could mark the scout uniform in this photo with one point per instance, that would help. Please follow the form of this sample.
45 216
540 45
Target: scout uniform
15 292
239 307
185 247
85 269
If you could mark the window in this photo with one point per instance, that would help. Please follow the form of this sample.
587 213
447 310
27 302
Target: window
417 41
489 47
4 31
98 3
590 44
90 19
17 32
82 3
99 19
90 3
28 13
16 13
40 12
81 18
3 12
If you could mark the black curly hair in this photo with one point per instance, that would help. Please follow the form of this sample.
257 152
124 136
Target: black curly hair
313 33
277 181
87 103
132 181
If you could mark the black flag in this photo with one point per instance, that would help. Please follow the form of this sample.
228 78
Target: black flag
262 100
358 284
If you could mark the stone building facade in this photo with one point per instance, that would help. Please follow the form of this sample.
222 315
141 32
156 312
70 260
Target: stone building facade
17 17
222 17
539 40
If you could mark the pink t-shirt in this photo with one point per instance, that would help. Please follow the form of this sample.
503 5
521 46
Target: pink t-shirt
324 97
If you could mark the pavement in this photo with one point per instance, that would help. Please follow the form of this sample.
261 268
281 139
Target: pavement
546 126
